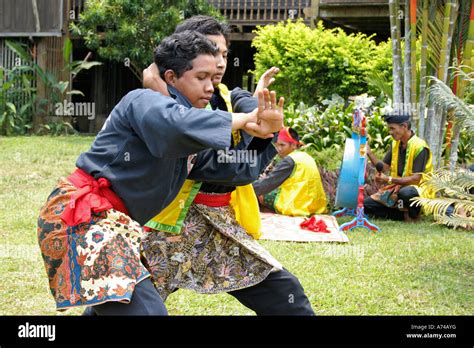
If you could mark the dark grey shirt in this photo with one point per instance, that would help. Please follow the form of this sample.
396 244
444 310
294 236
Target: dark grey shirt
276 177
144 145
212 173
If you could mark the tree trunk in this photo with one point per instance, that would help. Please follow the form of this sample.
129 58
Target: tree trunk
453 159
424 55
467 62
395 34
468 49
413 107
407 59
436 134
41 89
446 40
452 20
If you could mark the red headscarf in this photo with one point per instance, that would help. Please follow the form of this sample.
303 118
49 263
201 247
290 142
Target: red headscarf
285 136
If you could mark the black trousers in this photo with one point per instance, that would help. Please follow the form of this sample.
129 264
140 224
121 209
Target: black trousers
376 209
280 293
145 301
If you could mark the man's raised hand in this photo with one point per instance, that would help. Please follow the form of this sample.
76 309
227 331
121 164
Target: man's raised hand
269 115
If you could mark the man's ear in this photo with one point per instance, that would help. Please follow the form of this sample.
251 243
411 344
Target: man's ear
170 77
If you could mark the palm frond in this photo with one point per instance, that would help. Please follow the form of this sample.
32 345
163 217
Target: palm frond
442 96
456 221
456 184
464 72
453 191
435 32
439 206
380 82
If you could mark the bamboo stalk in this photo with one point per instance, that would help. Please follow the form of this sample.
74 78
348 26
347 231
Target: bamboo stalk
468 49
445 43
424 52
399 47
453 159
452 22
407 60
413 108
395 33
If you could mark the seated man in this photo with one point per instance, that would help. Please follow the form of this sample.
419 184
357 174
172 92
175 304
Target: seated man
294 186
408 159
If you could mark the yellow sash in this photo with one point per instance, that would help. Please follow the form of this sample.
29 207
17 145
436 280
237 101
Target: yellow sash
172 217
414 146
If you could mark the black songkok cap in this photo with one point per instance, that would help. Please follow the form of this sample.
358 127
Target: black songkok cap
396 118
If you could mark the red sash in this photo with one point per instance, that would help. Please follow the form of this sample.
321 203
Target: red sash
91 195
213 200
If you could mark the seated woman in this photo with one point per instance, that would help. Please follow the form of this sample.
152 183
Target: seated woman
294 186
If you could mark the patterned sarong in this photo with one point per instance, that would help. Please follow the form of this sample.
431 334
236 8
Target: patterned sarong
93 262
212 254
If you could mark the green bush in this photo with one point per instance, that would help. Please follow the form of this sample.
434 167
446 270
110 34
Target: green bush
321 129
317 63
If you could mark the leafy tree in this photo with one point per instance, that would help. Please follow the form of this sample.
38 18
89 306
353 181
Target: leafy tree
128 30
317 63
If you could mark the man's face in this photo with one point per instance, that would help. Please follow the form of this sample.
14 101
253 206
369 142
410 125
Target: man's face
284 148
196 84
221 57
397 131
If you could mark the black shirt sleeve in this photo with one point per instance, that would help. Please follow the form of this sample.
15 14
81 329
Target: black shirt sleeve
276 177
242 100
419 163
388 156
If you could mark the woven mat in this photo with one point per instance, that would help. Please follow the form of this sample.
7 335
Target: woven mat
287 228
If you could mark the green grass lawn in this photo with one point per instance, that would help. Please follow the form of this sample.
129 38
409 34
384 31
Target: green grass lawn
406 269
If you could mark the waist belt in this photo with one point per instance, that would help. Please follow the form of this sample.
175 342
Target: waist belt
213 200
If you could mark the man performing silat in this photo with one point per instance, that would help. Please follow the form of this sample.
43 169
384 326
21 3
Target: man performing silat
90 228
202 241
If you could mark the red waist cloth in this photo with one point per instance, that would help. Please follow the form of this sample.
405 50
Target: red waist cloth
91 195
213 200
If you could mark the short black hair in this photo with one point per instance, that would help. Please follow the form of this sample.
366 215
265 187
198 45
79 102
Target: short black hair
294 134
177 51
205 25
408 123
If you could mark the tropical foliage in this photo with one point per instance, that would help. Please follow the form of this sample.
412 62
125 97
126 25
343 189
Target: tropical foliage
317 63
445 30
16 118
19 100
128 30
454 204
328 126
